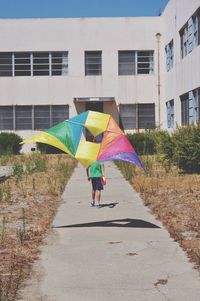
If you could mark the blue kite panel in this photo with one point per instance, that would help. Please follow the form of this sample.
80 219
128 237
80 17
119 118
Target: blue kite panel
79 119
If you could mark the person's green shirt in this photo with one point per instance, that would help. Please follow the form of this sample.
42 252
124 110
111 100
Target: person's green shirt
95 170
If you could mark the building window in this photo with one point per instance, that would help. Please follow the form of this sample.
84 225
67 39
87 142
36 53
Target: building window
190 34
93 62
196 24
23 117
144 62
169 50
22 65
32 117
170 113
5 64
137 116
59 63
190 107
41 117
59 113
40 63
127 116
135 62
126 62
146 116
33 64
184 41
184 109
6 117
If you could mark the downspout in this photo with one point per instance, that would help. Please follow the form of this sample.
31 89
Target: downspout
158 36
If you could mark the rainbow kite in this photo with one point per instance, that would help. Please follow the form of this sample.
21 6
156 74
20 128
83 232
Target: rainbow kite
68 135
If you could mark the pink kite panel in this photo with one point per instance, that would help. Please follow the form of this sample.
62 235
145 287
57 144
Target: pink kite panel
120 145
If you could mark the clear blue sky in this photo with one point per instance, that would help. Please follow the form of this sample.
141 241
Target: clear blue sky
79 8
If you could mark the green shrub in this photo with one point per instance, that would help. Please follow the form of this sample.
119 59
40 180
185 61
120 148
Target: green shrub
163 143
143 143
187 148
10 143
48 149
18 171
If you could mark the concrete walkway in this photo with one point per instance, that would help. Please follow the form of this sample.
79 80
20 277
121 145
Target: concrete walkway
115 253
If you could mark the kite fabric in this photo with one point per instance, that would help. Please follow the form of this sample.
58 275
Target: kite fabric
68 135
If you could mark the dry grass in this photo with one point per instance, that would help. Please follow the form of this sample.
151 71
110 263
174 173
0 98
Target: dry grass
28 203
174 199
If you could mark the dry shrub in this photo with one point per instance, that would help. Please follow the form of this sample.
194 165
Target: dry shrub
27 209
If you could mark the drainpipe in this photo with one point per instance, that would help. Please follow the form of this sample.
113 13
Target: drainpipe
158 37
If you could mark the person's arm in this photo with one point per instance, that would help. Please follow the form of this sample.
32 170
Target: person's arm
87 172
103 170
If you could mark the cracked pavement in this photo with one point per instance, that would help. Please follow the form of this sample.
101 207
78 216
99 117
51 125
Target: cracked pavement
119 252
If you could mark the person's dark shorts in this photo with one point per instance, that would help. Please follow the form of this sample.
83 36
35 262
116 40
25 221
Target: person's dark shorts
96 184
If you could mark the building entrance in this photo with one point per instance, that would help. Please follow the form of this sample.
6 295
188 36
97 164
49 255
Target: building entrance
96 106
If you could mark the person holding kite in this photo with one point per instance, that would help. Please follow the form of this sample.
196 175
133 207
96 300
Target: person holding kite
95 173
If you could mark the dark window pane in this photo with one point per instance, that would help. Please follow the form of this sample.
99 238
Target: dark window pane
93 63
185 109
5 64
6 118
41 63
23 117
41 117
126 62
59 113
146 116
127 116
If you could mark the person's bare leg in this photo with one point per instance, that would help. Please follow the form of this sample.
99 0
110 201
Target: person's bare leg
93 195
98 196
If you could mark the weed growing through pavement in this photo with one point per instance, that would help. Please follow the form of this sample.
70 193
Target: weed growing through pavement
198 256
2 229
5 192
33 183
21 231
18 172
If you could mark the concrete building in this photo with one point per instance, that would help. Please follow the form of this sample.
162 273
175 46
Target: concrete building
144 71
182 72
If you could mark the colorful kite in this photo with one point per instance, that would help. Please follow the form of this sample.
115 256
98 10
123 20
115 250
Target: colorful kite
68 136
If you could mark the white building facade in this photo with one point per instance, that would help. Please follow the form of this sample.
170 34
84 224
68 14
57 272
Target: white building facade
182 50
144 71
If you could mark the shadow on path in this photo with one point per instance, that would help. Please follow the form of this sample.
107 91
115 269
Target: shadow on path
110 205
124 223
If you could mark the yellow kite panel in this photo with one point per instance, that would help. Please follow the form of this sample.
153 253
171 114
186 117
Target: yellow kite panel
48 139
87 152
97 122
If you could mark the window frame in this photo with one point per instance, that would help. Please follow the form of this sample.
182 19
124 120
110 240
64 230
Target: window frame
98 70
138 108
33 63
142 64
